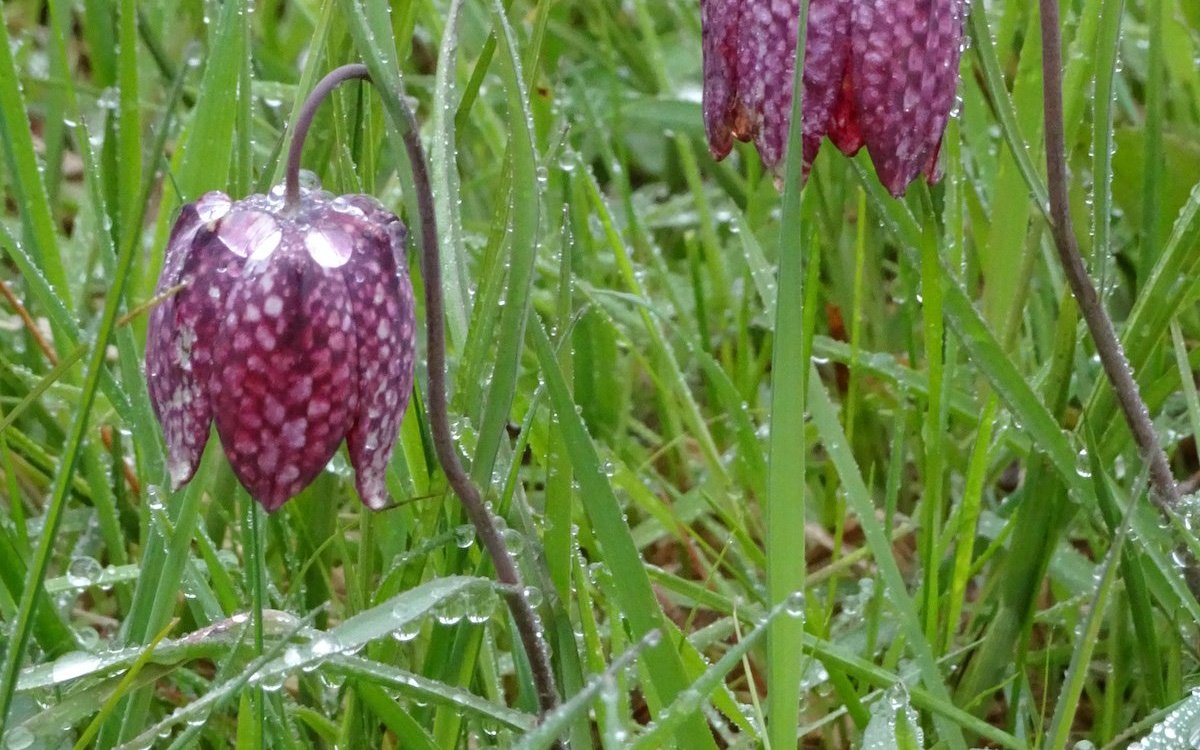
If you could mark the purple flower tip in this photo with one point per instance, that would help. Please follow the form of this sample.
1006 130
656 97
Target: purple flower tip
879 74
294 329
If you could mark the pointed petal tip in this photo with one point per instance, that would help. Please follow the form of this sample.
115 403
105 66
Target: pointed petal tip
719 147
181 471
373 492
271 503
896 185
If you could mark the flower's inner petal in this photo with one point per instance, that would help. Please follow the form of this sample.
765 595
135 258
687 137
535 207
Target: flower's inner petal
844 128
284 388
382 300
250 234
180 341
329 246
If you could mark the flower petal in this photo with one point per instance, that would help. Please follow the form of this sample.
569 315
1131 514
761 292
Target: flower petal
719 20
905 71
283 384
766 61
749 52
181 330
381 298
826 56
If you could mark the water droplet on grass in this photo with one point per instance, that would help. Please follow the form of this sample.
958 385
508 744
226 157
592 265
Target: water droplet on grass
533 595
83 571
464 536
793 606
73 665
18 738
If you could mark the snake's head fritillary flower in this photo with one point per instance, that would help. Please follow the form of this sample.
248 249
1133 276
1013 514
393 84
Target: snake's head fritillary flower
293 329
876 74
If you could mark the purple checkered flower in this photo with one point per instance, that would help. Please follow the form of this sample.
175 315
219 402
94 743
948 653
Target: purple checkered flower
294 328
876 74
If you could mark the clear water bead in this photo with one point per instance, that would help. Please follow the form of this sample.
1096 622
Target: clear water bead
83 571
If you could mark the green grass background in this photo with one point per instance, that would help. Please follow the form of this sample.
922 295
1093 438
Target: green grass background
852 458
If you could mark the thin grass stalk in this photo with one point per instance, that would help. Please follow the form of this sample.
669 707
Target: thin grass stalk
785 501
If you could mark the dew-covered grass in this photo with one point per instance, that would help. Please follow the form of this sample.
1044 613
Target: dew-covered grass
771 462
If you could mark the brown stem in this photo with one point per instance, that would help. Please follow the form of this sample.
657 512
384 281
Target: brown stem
528 623
1112 356
527 620
304 121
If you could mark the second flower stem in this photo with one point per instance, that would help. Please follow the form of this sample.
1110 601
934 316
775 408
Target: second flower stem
527 620
1108 346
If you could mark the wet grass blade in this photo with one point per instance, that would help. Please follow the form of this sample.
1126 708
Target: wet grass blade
638 603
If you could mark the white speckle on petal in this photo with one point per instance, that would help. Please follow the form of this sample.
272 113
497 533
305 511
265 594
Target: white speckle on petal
274 410
301 390
293 435
264 338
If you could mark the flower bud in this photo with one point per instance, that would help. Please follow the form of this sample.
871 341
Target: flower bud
879 74
293 329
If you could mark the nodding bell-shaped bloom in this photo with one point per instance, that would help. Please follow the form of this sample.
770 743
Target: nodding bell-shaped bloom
293 328
877 73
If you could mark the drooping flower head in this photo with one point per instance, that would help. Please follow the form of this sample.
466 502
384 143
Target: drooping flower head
294 329
876 74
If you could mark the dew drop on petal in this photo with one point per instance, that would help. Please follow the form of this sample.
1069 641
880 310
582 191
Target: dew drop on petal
250 234
212 206
329 246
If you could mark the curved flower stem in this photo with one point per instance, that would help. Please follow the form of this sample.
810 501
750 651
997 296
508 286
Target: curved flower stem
528 623
1112 355
527 620
304 121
